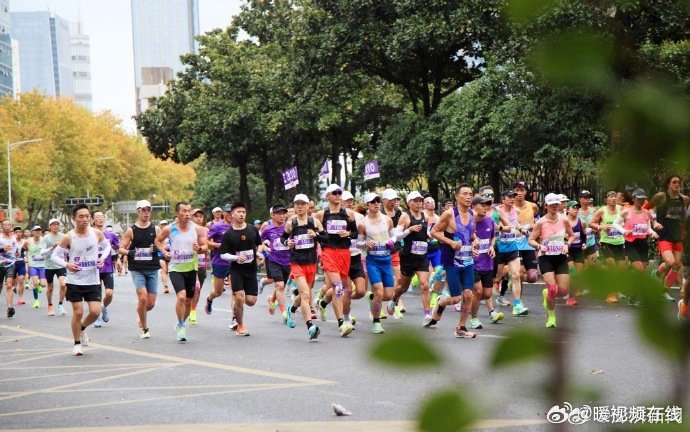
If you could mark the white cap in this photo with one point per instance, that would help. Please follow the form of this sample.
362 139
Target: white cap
562 197
163 222
301 197
552 198
52 221
371 196
332 188
413 196
389 194
347 195
142 204
37 228
216 209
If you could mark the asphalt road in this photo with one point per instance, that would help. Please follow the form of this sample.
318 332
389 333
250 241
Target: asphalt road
276 380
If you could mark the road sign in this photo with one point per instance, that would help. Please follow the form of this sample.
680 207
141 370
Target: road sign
90 200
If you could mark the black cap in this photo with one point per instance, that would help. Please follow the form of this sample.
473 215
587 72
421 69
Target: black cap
520 184
17 228
278 208
639 193
508 192
585 193
237 205
480 200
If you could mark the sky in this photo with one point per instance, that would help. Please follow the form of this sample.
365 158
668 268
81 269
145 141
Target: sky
109 25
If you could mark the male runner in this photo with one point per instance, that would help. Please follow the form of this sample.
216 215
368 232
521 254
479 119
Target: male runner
278 261
217 213
611 240
586 214
202 264
8 256
508 253
20 264
107 270
527 213
220 267
48 243
37 270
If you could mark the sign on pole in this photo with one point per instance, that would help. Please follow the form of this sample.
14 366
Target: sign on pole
325 170
89 200
290 178
371 170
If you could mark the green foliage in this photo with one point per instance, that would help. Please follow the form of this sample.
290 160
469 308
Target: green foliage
405 349
520 345
446 411
217 184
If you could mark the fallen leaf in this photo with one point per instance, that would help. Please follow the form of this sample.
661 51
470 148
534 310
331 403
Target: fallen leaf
597 371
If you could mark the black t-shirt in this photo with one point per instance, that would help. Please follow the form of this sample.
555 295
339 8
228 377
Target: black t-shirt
143 254
241 242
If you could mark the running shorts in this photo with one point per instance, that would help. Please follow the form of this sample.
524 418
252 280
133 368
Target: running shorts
557 264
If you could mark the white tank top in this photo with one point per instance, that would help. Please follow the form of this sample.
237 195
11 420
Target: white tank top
7 258
84 252
181 248
377 231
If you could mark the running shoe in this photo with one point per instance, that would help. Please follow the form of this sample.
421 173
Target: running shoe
313 313
682 311
376 328
496 317
398 313
545 294
37 304
51 310
383 315
353 320
520 310
84 338
571 301
181 333
10 312
427 320
192 317
21 301
77 351
612 298
345 329
40 289
271 305
434 299
105 316
98 323
313 332
501 301
209 306
401 305
551 320
289 320
476 324
461 333
241 330
145 334
390 307
668 298
322 311
233 324
61 310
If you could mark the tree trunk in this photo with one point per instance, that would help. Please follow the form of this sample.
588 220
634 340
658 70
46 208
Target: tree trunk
335 159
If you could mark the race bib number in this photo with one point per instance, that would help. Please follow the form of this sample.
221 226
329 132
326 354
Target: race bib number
419 247
507 237
249 254
640 229
335 226
554 247
37 258
202 260
143 254
303 241
182 256
279 246
84 264
614 233
463 257
378 249
484 246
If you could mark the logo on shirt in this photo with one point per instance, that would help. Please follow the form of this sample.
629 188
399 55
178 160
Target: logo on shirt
243 237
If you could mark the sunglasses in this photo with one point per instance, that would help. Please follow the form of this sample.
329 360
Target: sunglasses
146 209
375 201
488 195
337 192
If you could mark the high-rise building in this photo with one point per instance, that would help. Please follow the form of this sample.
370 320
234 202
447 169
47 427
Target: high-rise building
81 64
162 31
16 70
44 52
6 81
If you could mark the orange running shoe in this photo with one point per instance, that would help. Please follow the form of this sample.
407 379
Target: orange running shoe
571 301
682 310
241 330
612 298
51 310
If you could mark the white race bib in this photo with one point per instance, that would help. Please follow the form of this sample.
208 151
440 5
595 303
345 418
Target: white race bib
143 254
484 245
279 246
379 249
419 247
335 226
249 254
554 247
182 257
640 229
303 241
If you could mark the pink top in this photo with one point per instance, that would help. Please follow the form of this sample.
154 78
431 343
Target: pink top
638 223
553 235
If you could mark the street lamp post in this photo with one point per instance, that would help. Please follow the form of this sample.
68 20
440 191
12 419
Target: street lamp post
10 146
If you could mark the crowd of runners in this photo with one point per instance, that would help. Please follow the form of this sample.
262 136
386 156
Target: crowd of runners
472 251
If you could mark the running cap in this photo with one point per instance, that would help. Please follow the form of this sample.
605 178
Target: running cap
585 193
552 198
413 196
216 209
237 205
573 204
562 197
197 210
53 220
36 228
520 184
482 190
143 204
611 193
301 198
277 208
332 188
257 222
371 196
639 193
227 208
480 200
509 192
347 196
429 199
389 194
163 222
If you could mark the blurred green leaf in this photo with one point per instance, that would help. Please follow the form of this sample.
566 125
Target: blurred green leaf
446 411
525 11
574 59
405 349
518 346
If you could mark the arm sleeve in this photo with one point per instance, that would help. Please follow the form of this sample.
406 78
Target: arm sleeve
228 257
58 256
617 224
105 245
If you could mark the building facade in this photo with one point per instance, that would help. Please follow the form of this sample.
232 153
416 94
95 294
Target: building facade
6 75
80 47
162 31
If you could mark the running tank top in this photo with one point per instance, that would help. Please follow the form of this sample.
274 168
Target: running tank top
142 251
416 243
591 238
671 215
8 257
526 217
377 231
553 235
507 241
637 223
334 222
577 230
83 251
433 244
463 234
354 250
181 248
611 236
35 258
304 251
